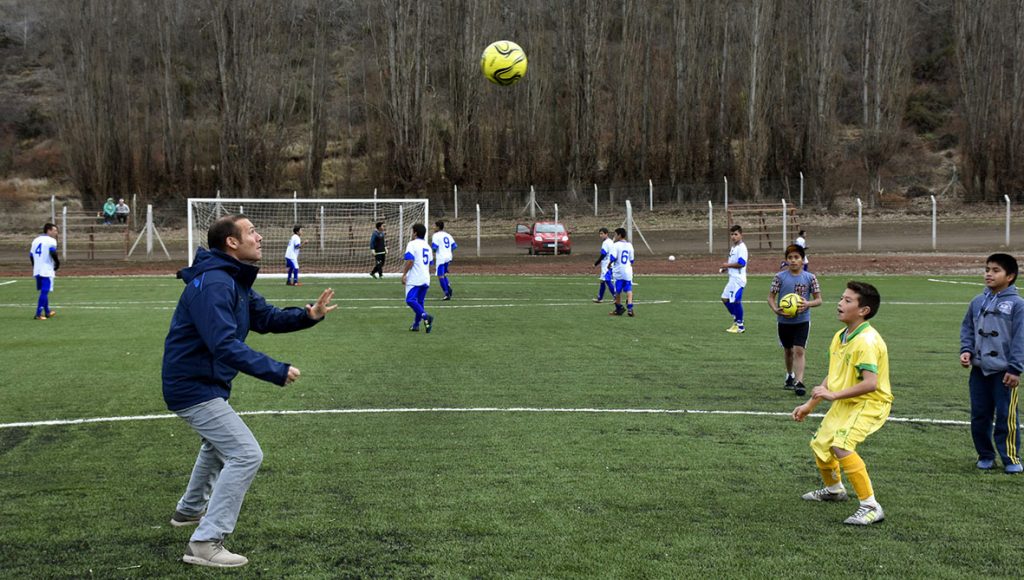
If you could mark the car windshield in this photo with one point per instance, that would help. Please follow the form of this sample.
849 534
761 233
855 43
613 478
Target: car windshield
550 228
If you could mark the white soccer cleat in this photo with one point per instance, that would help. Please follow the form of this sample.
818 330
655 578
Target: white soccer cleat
824 494
866 515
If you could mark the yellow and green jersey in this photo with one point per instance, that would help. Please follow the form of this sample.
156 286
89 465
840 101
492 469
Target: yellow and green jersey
852 354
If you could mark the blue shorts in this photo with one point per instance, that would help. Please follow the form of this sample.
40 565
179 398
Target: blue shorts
288 263
623 286
442 269
43 284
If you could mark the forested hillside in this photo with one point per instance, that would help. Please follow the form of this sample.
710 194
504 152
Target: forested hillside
255 97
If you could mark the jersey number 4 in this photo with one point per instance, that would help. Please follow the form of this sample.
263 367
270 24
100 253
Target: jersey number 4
39 250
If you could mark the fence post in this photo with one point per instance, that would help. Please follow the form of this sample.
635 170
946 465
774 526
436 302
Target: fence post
595 200
295 208
785 224
323 227
629 222
650 195
478 230
53 209
711 231
456 188
149 230
134 221
556 229
375 205
1007 198
934 220
533 204
64 233
860 221
801 190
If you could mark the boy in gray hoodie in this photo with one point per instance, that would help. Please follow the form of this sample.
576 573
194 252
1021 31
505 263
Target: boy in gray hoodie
992 345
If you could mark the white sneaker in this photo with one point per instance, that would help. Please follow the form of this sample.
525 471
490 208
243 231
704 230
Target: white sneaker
866 515
212 554
824 494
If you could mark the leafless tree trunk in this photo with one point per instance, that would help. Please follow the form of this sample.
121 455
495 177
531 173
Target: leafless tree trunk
322 15
759 95
976 29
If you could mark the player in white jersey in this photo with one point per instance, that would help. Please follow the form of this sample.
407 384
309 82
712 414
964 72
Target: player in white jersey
43 254
801 240
291 257
604 275
736 265
621 266
416 277
443 245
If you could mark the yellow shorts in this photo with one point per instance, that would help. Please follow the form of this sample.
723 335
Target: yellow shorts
847 424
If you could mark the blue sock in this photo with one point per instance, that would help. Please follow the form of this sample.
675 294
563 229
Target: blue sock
444 285
629 306
738 306
732 310
42 306
600 291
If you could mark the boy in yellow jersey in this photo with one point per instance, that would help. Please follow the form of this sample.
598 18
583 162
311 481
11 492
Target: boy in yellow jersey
858 385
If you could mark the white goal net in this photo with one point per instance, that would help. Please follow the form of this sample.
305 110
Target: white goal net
335 232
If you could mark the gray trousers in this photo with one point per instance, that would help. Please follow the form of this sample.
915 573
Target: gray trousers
229 458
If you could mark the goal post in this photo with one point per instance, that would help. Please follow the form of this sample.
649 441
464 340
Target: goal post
335 232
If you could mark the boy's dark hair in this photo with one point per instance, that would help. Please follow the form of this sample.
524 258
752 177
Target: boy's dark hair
801 234
419 230
222 229
603 231
1006 262
867 295
736 228
48 226
794 248
620 232
378 225
439 224
296 229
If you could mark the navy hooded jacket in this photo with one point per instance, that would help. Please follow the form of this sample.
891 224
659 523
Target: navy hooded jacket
205 347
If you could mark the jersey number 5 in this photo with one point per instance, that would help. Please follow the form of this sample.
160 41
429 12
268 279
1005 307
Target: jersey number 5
426 256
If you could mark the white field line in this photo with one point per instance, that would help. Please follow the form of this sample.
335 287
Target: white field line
152 305
59 422
7 282
955 282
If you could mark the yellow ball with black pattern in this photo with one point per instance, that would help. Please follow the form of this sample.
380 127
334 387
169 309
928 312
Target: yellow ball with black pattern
503 63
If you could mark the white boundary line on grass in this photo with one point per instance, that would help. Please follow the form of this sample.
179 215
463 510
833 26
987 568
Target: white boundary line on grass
58 422
7 282
955 282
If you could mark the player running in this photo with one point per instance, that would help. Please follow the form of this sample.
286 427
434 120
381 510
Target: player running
443 245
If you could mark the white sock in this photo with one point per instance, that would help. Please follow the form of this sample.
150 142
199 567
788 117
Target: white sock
870 502
837 488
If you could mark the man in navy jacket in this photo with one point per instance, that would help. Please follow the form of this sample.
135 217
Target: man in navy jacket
205 349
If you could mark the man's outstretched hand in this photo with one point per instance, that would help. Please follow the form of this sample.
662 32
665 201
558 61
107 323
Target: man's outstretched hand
323 305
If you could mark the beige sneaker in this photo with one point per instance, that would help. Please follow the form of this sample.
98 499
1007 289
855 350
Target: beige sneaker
212 554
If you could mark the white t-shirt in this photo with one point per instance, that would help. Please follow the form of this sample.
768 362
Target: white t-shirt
606 249
42 262
800 241
622 260
418 250
443 244
292 253
738 252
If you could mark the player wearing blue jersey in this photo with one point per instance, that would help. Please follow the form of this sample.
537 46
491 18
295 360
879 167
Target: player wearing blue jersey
603 261
736 266
43 255
621 266
416 277
793 332
291 257
444 246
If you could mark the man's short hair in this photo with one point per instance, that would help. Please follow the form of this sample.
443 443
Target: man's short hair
867 295
378 225
439 224
419 230
736 228
296 229
621 232
48 226
222 229
1006 262
603 231
795 248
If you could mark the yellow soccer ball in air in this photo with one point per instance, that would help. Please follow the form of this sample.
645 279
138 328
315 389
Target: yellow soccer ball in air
503 62
789 304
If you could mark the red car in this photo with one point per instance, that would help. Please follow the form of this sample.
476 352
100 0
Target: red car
541 237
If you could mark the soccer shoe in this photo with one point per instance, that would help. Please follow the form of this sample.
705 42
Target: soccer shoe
986 463
212 554
1014 468
597 300
296 283
414 329
447 297
824 494
180 520
428 323
790 383
866 515
615 313
735 329
799 389
39 317
630 313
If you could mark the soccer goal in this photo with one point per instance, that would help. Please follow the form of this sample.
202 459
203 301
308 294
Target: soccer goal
335 232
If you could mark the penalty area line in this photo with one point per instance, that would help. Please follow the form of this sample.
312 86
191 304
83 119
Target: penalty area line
7 282
128 418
